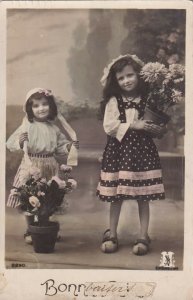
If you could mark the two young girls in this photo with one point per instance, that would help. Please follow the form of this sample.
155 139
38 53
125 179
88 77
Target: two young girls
131 167
45 140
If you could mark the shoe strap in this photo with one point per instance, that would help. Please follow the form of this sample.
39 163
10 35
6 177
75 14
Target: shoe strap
112 239
142 241
106 231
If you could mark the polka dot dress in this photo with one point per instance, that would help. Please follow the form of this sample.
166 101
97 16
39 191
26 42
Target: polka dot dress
131 168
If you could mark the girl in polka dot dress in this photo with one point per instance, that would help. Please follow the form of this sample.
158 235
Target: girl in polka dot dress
131 167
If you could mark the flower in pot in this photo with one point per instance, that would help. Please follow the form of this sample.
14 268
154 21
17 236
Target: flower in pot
42 198
166 88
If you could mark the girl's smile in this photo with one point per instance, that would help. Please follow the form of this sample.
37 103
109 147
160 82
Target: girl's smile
41 109
127 79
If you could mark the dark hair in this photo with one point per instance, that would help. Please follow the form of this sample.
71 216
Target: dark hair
112 88
37 96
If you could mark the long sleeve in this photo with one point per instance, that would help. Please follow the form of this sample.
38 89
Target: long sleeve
112 125
62 143
13 141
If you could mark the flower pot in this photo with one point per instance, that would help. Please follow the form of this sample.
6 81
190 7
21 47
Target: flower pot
44 237
157 118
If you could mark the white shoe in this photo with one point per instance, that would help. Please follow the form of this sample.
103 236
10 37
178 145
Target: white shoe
28 238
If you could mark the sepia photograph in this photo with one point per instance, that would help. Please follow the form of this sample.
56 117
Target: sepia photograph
101 68
95 113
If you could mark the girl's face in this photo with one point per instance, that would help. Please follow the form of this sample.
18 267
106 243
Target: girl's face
127 79
40 109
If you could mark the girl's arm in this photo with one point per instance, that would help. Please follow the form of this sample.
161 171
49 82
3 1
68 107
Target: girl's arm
13 141
16 140
75 143
22 138
112 125
63 144
148 126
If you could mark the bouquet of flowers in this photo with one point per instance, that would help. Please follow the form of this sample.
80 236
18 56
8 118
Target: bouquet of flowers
166 85
42 198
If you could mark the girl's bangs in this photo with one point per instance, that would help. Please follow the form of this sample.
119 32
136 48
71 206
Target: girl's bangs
120 64
123 62
37 96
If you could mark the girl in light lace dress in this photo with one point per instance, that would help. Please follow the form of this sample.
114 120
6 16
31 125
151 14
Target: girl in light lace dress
44 140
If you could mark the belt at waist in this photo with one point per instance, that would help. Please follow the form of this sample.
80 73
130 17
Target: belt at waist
40 155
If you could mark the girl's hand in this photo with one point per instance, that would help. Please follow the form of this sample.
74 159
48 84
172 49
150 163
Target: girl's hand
149 126
141 125
23 137
76 144
155 130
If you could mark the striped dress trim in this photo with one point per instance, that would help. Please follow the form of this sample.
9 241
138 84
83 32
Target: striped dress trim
131 190
131 175
144 185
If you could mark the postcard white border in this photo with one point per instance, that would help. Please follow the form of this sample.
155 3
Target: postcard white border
26 284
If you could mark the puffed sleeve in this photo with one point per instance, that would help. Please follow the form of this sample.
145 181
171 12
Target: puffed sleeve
112 125
13 141
62 143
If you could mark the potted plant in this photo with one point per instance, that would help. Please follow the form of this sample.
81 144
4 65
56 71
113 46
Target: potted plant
166 88
41 198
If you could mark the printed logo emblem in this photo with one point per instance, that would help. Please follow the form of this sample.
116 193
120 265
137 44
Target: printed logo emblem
167 261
